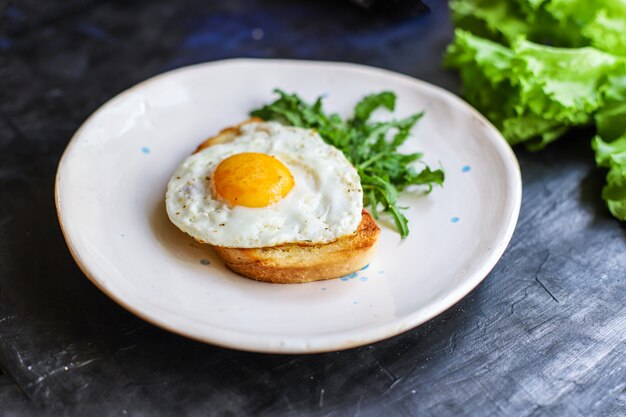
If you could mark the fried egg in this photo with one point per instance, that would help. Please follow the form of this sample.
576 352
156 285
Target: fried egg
272 184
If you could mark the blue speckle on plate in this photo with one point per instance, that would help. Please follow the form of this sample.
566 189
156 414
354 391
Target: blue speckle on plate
349 276
466 168
362 279
205 262
365 267
145 150
355 302
454 219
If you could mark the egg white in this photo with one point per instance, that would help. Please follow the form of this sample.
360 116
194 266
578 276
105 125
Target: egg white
324 204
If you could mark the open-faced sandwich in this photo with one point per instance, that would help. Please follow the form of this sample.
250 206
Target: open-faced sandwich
276 202
280 196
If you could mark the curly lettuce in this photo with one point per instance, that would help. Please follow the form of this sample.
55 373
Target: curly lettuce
537 68
563 23
612 155
533 93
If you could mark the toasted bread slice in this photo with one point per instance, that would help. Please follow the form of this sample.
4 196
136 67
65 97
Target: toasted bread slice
294 263
226 135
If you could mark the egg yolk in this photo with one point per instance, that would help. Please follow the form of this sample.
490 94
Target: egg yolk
252 180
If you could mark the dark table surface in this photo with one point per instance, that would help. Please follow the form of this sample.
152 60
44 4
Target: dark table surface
544 334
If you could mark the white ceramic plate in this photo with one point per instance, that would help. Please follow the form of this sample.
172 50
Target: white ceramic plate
112 179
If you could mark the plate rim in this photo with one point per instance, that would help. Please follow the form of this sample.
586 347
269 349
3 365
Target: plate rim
332 341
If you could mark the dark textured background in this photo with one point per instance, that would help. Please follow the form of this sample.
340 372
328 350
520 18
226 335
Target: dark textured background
544 334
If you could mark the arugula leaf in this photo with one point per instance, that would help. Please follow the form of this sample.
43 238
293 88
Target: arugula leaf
370 146
370 103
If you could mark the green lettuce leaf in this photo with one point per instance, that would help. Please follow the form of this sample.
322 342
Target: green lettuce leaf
536 68
561 23
491 19
532 92
612 155
602 23
611 118
506 21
